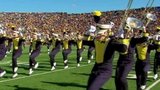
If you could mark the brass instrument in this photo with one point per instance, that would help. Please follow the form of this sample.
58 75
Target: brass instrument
134 22
150 17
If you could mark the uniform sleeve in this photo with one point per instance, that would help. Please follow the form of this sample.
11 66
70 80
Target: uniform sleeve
156 45
72 42
22 40
122 48
139 40
152 46
88 43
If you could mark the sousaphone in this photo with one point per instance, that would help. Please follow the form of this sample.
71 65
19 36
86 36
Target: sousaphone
150 17
134 22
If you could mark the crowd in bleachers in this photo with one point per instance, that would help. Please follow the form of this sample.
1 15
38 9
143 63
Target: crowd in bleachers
69 22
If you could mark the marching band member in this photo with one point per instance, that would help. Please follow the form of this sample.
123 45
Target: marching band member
48 43
3 48
9 42
126 59
88 37
30 43
9 45
55 44
17 50
142 63
97 17
156 42
90 49
104 48
30 38
79 43
36 49
66 44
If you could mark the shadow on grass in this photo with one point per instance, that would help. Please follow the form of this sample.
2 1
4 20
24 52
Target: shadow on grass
148 80
84 74
105 89
17 87
64 84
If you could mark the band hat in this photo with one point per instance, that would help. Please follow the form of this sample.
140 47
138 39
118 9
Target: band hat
15 32
102 28
97 13
54 34
158 28
13 26
101 31
92 29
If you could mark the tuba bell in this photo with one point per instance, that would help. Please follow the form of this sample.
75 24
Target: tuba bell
150 17
134 22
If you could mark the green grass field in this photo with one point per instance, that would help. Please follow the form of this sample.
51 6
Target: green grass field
73 78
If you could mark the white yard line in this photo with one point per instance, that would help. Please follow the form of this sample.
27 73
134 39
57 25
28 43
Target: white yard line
151 86
149 76
5 62
26 63
9 62
133 76
43 73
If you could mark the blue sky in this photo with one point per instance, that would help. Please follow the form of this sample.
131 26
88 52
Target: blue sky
70 6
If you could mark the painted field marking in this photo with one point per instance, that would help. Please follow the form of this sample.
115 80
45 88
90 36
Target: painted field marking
5 62
43 73
152 85
133 76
